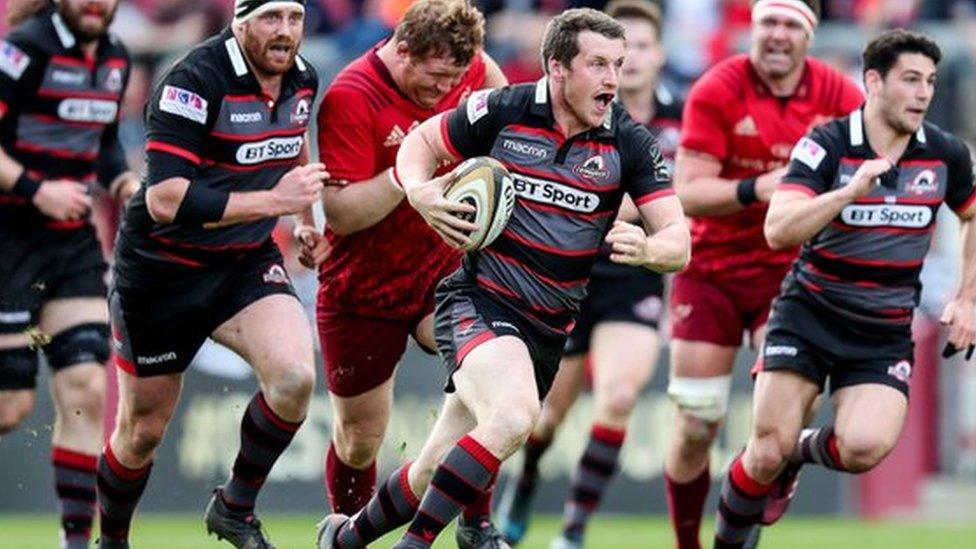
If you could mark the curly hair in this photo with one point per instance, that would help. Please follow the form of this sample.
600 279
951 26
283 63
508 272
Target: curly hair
449 28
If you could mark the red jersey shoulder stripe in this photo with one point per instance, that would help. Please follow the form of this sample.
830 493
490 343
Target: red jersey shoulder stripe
174 150
651 197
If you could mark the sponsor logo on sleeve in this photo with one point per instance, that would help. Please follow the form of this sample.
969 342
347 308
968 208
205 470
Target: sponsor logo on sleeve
477 106
809 152
13 61
275 148
181 102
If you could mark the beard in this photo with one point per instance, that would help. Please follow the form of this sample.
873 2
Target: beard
896 123
260 54
83 30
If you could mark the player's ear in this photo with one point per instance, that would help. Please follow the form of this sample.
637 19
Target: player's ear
402 50
556 69
873 81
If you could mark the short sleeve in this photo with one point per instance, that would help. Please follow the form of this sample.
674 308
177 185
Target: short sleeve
646 176
703 121
960 193
471 128
812 166
177 122
20 68
345 135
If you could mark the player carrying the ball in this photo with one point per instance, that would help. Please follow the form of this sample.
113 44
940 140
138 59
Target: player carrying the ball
503 318
861 195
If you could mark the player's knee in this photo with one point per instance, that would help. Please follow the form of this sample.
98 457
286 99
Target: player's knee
620 401
512 426
292 387
863 452
14 411
692 434
768 452
357 442
139 437
82 344
706 399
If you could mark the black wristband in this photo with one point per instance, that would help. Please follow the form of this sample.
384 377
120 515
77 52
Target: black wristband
745 191
201 204
25 186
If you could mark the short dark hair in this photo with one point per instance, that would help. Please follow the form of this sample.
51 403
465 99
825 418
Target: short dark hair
882 53
451 28
644 10
561 38
812 4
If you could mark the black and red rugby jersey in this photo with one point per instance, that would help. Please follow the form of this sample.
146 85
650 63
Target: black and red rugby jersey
59 111
209 121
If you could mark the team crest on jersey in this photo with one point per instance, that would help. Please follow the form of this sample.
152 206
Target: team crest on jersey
902 371
114 81
275 275
301 114
746 127
809 152
13 61
924 183
181 102
593 168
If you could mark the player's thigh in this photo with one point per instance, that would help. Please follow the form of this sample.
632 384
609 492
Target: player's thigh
869 417
565 390
423 333
365 414
497 375
62 314
273 335
780 402
623 353
360 353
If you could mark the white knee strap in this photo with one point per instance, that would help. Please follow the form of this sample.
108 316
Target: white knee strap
706 398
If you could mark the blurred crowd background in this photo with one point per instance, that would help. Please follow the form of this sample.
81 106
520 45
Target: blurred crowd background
698 33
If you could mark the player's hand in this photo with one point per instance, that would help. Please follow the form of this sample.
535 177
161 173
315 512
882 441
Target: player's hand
299 188
628 244
63 200
313 247
766 183
441 214
865 179
959 316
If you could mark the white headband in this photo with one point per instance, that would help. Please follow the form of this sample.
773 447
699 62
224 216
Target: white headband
246 9
796 10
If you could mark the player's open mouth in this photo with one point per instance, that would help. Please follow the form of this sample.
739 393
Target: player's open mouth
604 99
95 11
280 51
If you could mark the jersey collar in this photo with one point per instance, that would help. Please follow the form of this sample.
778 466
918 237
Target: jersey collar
542 107
858 139
801 92
68 40
241 69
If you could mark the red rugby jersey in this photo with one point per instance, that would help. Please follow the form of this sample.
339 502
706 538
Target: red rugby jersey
732 115
385 270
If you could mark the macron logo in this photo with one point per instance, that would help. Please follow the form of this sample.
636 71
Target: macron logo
156 359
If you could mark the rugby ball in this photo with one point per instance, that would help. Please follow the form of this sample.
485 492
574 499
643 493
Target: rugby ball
487 185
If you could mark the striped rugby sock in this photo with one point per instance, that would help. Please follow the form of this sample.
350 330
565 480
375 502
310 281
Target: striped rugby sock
818 446
75 480
264 436
119 490
459 481
740 507
594 472
392 506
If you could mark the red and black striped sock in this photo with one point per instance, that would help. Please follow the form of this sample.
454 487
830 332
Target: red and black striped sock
459 481
75 479
392 506
264 436
740 507
686 504
480 511
595 470
119 490
349 488
818 446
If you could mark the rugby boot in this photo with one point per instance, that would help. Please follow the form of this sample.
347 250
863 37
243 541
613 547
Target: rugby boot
481 536
104 543
242 530
327 529
780 498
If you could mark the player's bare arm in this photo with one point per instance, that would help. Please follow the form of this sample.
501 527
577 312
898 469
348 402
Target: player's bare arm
794 217
959 314
703 192
420 154
353 207
124 186
494 77
665 248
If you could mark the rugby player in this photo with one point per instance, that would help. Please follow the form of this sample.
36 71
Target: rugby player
226 150
502 319
376 286
62 78
741 120
618 321
861 195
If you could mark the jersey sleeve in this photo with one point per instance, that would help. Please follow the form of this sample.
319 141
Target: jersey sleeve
21 65
111 161
960 193
646 176
812 164
177 122
703 127
345 135
471 128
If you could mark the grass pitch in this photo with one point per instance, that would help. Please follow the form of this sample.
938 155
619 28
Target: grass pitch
607 532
